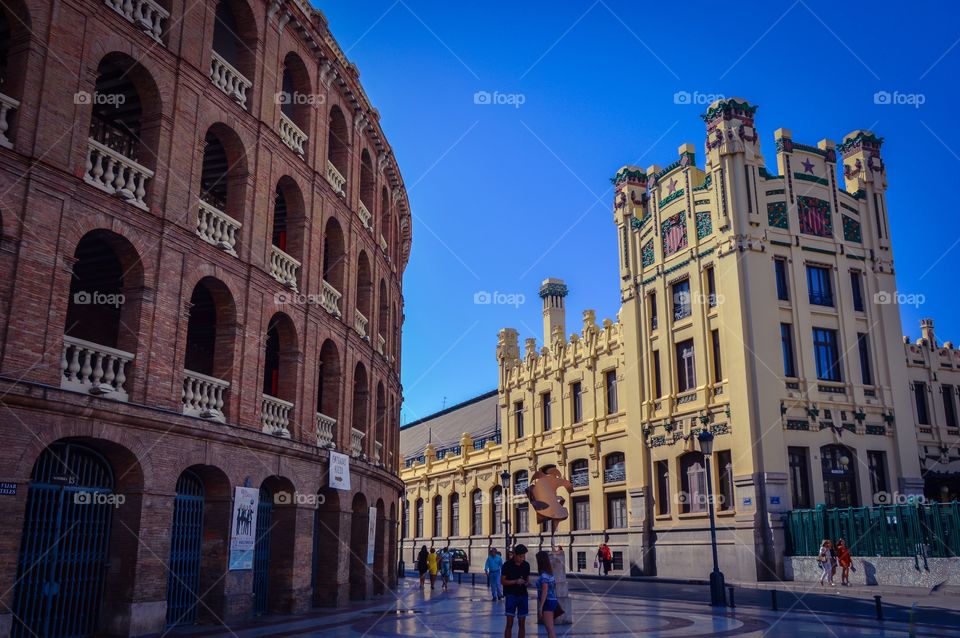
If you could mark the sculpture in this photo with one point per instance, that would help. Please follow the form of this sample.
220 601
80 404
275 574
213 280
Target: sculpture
542 493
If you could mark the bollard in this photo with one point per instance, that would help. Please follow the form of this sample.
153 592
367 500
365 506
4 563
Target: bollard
879 607
773 599
732 604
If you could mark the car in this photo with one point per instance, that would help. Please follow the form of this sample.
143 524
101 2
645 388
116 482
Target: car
460 561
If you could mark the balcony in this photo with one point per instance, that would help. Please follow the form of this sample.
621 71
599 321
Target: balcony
580 479
7 106
364 215
360 323
681 312
275 416
203 396
381 344
336 180
116 174
615 474
821 298
383 244
146 15
356 442
330 299
291 135
326 426
229 80
94 369
283 268
377 452
216 227
520 487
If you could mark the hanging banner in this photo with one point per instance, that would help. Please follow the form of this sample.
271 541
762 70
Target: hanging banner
339 471
371 534
243 533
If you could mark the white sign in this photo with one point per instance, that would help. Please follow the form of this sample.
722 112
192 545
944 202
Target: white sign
243 533
339 471
371 534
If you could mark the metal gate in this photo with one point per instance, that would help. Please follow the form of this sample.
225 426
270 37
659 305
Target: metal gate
63 549
261 553
186 544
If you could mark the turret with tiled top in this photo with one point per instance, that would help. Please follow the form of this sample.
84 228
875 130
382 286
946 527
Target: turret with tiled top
865 176
733 160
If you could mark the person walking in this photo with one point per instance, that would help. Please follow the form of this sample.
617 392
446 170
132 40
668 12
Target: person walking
825 560
604 559
492 568
845 560
422 565
445 559
547 602
515 575
432 566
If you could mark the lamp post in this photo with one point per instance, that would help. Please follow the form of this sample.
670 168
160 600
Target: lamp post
718 597
505 484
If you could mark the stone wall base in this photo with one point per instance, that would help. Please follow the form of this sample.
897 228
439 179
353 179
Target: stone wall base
880 571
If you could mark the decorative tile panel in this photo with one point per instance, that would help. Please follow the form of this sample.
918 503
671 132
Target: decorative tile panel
814 216
851 230
646 254
673 233
704 224
777 215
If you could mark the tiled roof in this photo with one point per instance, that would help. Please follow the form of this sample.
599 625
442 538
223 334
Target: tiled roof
478 416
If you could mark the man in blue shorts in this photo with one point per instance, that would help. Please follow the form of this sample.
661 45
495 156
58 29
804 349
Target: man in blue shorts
515 576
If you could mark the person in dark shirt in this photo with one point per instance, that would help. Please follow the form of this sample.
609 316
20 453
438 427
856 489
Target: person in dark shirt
515 576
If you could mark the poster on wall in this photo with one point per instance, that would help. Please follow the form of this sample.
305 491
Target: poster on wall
243 532
371 534
339 471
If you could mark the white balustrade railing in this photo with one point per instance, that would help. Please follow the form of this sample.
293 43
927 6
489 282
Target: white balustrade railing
203 396
360 323
225 77
377 451
146 14
275 416
110 171
364 215
330 299
383 244
326 426
337 181
7 106
381 344
356 442
291 135
283 267
95 369
216 227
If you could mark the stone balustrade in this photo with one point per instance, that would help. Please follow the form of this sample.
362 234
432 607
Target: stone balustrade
356 442
7 106
360 323
203 396
326 426
381 344
377 452
94 369
330 299
226 78
283 267
113 173
335 178
383 244
364 215
216 227
275 416
145 14
291 135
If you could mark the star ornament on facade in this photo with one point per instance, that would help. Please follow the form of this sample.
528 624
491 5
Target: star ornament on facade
672 186
807 166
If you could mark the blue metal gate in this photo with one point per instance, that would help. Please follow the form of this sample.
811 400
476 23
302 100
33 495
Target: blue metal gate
186 543
63 549
261 553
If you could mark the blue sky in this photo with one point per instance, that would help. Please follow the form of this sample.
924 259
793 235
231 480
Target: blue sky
506 194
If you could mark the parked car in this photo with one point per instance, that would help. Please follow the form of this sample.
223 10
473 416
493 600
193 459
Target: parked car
460 561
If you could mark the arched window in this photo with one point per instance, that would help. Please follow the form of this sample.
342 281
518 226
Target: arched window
286 248
614 468
580 473
328 394
366 189
454 514
361 400
437 517
839 467
338 151
295 104
232 61
222 180
364 296
419 519
381 424
496 512
693 483
405 526
476 513
279 375
14 48
520 482
386 222
334 256
382 319
208 359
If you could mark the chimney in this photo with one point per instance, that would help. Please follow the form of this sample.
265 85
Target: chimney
552 291
926 329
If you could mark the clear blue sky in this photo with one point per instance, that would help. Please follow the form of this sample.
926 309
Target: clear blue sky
505 195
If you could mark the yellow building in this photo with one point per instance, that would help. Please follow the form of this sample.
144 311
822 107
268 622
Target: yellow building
758 306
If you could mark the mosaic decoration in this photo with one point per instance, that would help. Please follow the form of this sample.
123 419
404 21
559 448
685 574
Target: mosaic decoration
675 195
639 222
851 230
706 183
777 215
646 254
673 232
704 224
814 216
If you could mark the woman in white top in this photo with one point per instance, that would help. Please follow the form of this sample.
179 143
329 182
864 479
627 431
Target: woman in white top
825 560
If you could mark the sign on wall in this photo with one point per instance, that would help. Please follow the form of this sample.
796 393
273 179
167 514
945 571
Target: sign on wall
243 532
339 471
371 534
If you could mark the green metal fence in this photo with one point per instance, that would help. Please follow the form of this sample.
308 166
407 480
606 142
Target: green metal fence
927 530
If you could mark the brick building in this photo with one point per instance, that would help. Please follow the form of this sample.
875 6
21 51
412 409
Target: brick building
203 233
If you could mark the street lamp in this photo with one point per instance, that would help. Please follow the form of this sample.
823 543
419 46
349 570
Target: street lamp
718 596
505 484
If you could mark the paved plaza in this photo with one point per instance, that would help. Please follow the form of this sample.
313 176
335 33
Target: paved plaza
610 609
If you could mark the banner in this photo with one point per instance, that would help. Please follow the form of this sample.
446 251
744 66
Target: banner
243 533
371 534
339 471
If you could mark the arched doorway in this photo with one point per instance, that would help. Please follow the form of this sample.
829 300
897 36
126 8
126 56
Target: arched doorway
64 549
273 552
359 523
326 549
186 546
839 466
379 551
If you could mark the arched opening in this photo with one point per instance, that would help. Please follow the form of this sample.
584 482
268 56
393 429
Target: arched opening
273 556
383 318
279 375
395 335
338 151
208 358
222 181
391 550
359 524
286 249
437 518
124 130
328 395
454 517
386 222
334 256
295 104
496 512
103 316
233 58
839 466
693 483
614 468
580 473
364 295
380 428
367 189
379 550
361 400
14 47
327 548
419 518
476 512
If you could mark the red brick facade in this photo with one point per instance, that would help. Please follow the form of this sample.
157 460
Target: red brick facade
123 214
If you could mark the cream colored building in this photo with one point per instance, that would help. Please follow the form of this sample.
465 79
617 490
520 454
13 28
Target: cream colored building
759 306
